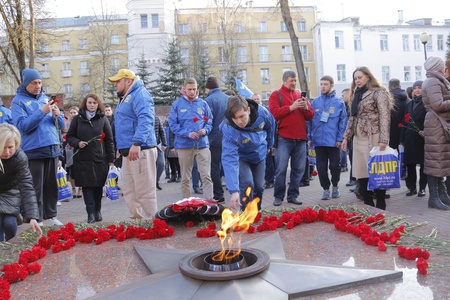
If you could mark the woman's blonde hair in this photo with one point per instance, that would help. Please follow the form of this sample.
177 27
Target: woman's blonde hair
8 132
372 84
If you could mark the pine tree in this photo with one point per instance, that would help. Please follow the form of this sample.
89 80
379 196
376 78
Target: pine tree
167 87
203 70
142 70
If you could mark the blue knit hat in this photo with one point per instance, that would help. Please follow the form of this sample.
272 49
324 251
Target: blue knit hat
28 75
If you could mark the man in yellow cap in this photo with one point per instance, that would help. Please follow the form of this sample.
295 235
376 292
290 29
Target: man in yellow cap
134 122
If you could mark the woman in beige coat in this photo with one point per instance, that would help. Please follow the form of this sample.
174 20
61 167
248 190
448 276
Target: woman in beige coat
368 124
436 99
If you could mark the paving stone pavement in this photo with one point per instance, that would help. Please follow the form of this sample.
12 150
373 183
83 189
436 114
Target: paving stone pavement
399 204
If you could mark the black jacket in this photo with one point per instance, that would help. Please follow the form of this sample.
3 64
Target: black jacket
16 187
413 142
397 115
90 164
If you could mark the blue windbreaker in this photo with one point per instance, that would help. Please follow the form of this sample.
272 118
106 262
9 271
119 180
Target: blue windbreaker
5 115
134 119
326 134
186 117
249 144
38 130
217 101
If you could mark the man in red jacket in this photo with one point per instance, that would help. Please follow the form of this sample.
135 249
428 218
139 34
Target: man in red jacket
291 110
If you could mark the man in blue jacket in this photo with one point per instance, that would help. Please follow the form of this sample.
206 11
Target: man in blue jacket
5 115
39 121
217 101
248 133
190 119
134 124
325 133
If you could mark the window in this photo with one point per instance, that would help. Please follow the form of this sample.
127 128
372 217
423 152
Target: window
286 53
65 46
114 66
384 42
83 43
223 77
283 27
301 26
265 78
262 26
304 52
219 28
45 71
46 89
66 69
204 28
221 58
407 73
43 47
68 90
84 68
286 69
183 28
357 42
265 95
144 21
416 38
85 89
307 75
341 74
155 21
263 54
440 42
339 39
114 39
240 28
242 75
418 70
204 52
184 53
241 54
430 43
385 74
405 42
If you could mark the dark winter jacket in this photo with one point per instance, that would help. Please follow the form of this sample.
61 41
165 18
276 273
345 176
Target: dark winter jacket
397 114
217 101
413 142
16 187
90 163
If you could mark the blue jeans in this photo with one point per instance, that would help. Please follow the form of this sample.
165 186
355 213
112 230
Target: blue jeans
159 164
270 168
8 227
195 176
216 167
296 150
251 175
343 162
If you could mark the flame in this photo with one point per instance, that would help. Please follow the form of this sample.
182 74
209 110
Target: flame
235 221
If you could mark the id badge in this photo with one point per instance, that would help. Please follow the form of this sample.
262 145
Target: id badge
324 117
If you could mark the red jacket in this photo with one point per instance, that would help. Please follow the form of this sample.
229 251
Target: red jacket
293 123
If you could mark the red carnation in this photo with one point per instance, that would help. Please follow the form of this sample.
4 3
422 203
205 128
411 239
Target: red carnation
314 173
407 118
102 137
190 224
400 125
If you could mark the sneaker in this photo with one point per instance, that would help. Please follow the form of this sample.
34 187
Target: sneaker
344 169
277 202
411 192
58 203
219 199
268 185
351 183
56 222
335 192
295 201
421 193
198 191
325 195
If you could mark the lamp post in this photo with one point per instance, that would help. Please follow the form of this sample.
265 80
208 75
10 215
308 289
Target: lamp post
424 40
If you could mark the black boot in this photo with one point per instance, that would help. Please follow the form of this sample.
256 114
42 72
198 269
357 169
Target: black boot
98 216
366 195
91 218
434 201
443 191
179 178
381 199
172 179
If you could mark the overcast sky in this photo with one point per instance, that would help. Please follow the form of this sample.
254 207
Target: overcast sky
371 12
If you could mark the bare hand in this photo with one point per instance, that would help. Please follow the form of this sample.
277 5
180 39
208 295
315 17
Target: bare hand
234 201
46 108
55 111
299 103
134 153
35 227
82 144
201 132
338 144
344 145
421 133
194 135
382 146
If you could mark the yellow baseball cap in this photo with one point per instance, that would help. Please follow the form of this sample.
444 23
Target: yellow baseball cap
123 73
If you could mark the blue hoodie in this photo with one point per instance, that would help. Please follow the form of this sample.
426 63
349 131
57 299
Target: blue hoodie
326 134
134 118
249 144
39 131
186 117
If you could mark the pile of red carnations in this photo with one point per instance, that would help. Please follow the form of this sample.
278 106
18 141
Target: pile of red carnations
356 223
67 237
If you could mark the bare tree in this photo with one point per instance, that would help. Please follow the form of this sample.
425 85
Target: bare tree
286 14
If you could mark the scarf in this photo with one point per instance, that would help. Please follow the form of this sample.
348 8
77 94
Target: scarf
90 115
357 97
417 100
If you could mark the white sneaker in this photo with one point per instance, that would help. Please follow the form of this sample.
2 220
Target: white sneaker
58 203
56 222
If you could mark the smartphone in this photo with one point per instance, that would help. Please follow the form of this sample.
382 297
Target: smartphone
303 94
52 99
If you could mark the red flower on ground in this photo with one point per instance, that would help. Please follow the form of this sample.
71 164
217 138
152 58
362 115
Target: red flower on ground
190 224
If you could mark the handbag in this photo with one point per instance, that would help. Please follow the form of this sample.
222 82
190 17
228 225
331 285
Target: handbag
384 169
111 187
64 188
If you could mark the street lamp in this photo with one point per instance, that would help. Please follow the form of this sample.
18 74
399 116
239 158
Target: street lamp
424 39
